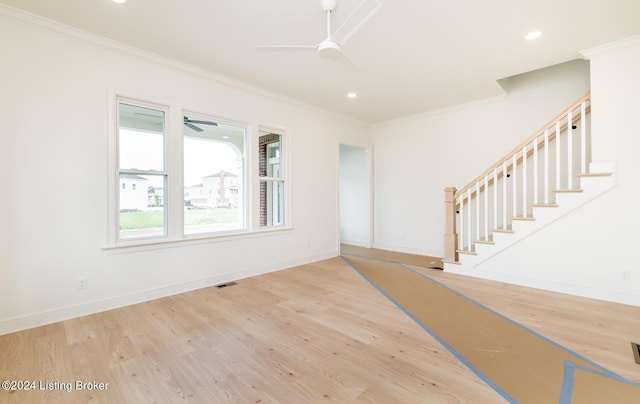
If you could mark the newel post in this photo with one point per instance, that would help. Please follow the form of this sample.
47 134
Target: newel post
450 235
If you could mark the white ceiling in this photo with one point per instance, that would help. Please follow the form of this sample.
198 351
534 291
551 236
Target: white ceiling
414 55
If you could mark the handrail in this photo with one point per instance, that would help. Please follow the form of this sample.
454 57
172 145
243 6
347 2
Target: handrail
552 136
518 148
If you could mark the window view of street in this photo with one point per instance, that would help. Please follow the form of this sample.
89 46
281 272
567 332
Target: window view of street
213 177
141 152
212 180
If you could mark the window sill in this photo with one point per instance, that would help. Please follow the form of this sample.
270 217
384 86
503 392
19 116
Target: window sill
130 246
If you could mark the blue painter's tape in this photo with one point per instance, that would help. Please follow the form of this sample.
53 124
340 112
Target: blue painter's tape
440 340
602 368
569 379
567 386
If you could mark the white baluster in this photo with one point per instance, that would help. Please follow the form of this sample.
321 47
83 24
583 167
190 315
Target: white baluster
486 208
478 211
558 155
504 195
535 170
546 166
570 150
469 220
524 181
461 223
514 182
495 198
583 138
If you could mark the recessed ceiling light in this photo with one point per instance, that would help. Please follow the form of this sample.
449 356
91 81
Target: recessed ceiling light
533 35
352 95
119 1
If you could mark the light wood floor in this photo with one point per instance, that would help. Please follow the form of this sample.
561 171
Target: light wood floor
315 333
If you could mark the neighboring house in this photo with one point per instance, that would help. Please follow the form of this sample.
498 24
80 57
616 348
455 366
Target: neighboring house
155 197
221 189
133 193
194 197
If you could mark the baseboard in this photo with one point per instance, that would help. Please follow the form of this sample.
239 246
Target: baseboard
65 313
569 289
358 243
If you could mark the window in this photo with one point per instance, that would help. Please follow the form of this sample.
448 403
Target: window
190 178
214 197
272 181
141 161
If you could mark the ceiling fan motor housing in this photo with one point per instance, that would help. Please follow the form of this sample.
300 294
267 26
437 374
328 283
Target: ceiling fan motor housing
328 5
329 49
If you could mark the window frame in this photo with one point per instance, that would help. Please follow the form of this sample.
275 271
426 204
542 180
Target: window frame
283 178
246 197
174 178
119 171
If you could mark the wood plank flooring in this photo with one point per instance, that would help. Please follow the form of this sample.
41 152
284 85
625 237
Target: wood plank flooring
314 333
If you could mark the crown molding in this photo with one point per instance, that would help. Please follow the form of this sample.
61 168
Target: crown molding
611 46
32 20
445 110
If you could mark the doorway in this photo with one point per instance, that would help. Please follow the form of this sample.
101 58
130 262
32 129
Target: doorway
355 196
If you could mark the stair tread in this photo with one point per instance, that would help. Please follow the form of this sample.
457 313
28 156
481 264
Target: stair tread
525 218
502 231
452 262
545 205
489 242
595 175
560 191
467 252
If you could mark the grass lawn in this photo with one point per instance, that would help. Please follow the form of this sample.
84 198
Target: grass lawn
154 219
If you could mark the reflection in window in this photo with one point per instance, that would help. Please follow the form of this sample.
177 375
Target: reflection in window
141 168
214 196
272 181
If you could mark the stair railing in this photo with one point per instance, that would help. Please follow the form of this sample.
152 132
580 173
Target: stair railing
530 175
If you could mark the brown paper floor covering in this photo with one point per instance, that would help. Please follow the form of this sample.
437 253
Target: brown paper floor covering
522 366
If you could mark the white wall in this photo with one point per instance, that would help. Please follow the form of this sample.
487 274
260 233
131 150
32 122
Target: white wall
355 196
54 158
593 251
416 158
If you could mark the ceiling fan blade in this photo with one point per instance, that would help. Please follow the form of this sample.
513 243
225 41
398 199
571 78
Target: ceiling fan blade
194 127
200 122
358 17
349 63
279 47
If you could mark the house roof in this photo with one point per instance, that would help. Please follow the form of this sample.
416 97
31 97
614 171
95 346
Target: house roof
220 174
133 177
412 56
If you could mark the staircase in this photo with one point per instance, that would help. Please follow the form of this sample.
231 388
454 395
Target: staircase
542 179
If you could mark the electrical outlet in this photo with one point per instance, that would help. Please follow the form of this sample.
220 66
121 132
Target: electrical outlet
82 283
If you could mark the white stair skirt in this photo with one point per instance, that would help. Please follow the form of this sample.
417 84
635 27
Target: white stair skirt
600 180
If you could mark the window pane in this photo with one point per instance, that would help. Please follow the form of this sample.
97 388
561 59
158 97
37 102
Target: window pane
269 170
141 138
269 155
213 176
141 205
271 203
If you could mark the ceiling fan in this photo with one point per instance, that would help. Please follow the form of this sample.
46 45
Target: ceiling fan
190 123
331 46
